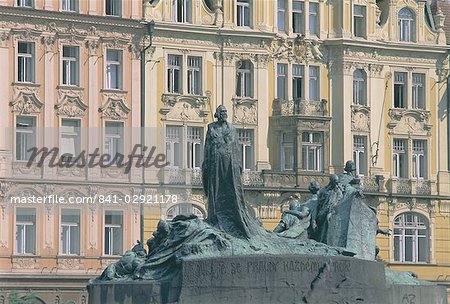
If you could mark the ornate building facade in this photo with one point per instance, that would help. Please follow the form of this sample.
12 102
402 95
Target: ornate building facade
309 85
71 80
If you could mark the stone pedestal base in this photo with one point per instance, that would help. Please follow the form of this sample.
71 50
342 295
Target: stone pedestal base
268 280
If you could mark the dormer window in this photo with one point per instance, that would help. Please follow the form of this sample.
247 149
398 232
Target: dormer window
406 25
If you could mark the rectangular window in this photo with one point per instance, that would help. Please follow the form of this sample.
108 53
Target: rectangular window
194 147
359 21
26 231
400 81
114 143
314 83
69 5
114 8
418 91
114 69
360 154
419 158
70 231
182 10
113 232
313 18
243 13
70 65
25 3
287 151
25 62
173 145
194 77
298 17
281 15
297 81
312 151
281 81
26 137
399 158
174 73
359 88
244 79
245 138
70 144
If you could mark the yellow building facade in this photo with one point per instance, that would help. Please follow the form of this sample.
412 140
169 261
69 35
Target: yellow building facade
309 85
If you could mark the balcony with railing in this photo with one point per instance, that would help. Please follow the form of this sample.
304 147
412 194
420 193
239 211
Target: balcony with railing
301 107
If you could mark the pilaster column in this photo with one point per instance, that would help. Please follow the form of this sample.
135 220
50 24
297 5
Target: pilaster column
93 97
5 122
261 83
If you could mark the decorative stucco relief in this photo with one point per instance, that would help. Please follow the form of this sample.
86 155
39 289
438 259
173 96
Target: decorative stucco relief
297 50
70 102
245 111
26 99
184 107
114 106
360 118
409 121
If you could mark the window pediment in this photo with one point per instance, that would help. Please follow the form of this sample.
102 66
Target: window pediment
70 103
114 106
184 107
26 100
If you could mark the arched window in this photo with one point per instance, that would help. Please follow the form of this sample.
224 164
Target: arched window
406 25
184 208
411 238
244 79
359 87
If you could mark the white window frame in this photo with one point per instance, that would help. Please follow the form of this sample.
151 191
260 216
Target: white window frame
116 8
114 66
66 235
314 78
185 16
359 19
282 79
244 11
194 141
112 228
298 75
419 158
69 65
24 236
406 25
360 154
399 150
17 131
175 141
318 151
287 143
314 29
25 3
300 14
359 87
172 69
69 5
75 134
404 83
401 226
418 91
194 75
244 77
28 60
114 143
281 15
246 139
184 208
